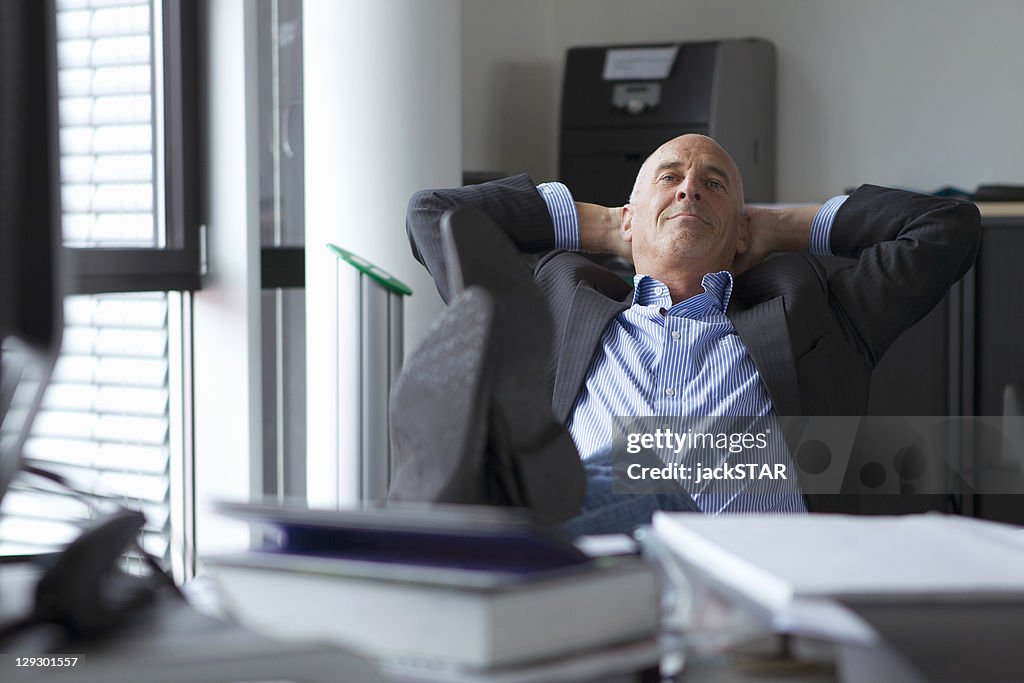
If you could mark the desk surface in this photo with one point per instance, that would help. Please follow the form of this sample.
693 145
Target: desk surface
167 642
173 643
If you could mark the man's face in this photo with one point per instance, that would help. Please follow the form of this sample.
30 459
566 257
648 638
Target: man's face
687 209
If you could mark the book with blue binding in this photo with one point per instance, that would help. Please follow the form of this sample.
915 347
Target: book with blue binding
502 540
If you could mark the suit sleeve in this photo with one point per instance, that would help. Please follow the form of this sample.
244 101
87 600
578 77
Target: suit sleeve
513 203
910 249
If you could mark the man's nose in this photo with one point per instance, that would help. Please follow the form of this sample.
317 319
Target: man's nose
688 189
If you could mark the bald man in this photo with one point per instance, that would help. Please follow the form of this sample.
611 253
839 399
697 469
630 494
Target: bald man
710 326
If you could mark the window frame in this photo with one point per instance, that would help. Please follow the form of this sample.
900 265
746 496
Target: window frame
177 266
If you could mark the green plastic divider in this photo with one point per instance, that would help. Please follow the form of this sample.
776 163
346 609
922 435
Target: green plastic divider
381 276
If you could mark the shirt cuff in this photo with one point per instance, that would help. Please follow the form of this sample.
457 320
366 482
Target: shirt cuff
821 226
562 208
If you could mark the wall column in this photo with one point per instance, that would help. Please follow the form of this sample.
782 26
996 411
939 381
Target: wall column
382 98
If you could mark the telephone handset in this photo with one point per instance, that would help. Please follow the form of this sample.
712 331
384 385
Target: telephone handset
85 590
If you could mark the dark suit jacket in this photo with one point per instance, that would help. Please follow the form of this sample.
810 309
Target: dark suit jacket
814 338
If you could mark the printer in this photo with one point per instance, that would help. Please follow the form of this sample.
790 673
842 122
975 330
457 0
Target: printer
619 103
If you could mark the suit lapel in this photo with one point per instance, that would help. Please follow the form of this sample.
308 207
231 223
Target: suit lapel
764 331
589 314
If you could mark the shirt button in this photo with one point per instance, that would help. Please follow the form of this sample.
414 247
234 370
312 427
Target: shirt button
675 334
670 392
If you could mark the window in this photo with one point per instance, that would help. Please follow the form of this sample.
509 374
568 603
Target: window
113 420
106 419
108 125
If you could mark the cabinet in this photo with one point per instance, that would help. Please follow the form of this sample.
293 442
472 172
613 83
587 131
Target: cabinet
966 358
994 375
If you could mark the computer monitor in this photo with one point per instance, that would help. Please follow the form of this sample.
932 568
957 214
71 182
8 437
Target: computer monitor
30 290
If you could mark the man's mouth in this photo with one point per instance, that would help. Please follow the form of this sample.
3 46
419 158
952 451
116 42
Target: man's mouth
687 215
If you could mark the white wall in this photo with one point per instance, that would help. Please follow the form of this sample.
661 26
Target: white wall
915 93
382 120
381 94
509 87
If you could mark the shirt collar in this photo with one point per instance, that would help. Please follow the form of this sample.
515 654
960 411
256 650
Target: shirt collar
649 291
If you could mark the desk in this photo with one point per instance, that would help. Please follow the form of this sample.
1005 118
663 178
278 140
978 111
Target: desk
979 640
173 643
170 642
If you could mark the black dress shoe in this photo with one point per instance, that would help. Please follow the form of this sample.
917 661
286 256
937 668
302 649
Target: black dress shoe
439 407
533 456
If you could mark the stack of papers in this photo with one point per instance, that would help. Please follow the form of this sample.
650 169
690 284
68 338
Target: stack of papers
798 570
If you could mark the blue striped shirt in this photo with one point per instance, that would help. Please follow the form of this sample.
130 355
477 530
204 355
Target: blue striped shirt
663 360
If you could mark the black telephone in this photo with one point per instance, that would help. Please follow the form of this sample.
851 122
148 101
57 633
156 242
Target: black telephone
85 591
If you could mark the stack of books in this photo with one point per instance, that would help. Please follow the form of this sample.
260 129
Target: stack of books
438 588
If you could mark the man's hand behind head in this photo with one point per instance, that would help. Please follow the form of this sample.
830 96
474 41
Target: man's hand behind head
601 230
761 224
772 230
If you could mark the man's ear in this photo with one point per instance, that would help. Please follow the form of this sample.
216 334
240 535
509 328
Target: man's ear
626 221
743 236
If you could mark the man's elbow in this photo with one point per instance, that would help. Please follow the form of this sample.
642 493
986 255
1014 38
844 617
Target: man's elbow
968 231
422 218
423 205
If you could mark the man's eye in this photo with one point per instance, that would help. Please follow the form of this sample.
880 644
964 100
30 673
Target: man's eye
668 177
715 184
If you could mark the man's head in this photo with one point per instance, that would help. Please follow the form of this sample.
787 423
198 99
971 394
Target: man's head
685 213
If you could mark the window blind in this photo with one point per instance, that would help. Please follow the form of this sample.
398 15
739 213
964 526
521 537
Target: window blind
106 81
106 418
